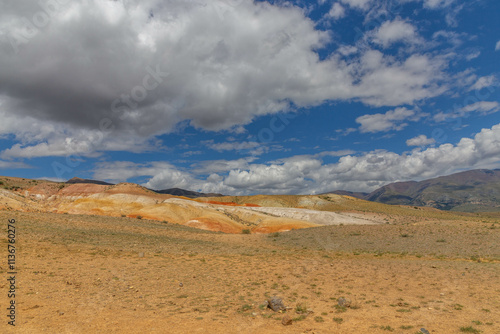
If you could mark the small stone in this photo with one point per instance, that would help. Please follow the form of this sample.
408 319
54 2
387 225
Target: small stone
181 285
344 302
286 321
276 304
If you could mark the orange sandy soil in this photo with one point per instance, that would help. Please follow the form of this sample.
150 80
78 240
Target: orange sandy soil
95 274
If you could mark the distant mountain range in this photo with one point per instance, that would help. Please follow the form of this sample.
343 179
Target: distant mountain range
186 193
78 180
470 191
171 191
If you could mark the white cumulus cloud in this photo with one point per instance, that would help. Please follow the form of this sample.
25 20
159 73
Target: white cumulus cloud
151 65
309 174
484 82
421 140
482 107
337 11
434 4
396 31
360 4
391 120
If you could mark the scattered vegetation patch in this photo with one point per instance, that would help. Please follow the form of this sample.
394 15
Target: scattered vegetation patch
299 318
469 329
245 308
387 328
301 308
340 309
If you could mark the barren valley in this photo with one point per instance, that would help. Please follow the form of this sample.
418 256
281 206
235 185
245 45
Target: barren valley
114 259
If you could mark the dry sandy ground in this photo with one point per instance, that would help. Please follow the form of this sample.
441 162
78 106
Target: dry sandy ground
94 274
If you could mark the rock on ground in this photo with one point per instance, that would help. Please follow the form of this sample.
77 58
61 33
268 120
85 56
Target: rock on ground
276 304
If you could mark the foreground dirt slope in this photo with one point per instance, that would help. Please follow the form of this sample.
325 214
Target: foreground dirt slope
98 274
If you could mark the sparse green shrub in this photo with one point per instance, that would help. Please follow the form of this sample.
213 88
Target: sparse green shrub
338 320
469 329
301 308
387 328
139 217
340 309
246 231
245 307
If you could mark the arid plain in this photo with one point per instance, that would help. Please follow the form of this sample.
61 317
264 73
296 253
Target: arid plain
122 259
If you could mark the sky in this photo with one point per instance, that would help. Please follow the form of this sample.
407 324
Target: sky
244 97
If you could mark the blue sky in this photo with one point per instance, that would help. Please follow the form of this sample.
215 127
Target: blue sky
242 97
